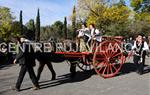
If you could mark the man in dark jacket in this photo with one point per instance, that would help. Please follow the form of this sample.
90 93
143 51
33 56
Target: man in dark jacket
26 60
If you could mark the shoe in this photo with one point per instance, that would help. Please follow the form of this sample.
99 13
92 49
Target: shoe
35 88
137 71
16 89
140 73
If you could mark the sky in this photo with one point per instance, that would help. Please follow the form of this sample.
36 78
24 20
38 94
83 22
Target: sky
50 10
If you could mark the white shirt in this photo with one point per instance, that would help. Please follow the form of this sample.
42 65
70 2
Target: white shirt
82 32
95 32
145 47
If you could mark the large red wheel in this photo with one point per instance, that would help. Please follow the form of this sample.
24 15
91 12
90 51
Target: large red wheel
108 58
85 63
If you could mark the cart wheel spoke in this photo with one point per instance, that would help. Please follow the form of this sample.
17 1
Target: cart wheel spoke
84 65
101 66
112 53
104 69
113 65
108 69
117 54
100 63
108 62
100 59
110 66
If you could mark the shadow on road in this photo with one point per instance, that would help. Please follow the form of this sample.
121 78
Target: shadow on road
5 66
63 79
81 76
130 67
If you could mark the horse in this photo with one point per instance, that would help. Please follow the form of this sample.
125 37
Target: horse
48 57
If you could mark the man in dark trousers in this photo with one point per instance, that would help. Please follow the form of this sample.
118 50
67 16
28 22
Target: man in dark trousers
27 61
44 58
41 67
140 47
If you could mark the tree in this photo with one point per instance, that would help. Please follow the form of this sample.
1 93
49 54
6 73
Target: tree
141 22
141 5
31 29
113 20
74 22
21 23
15 29
65 28
146 6
6 19
55 31
37 33
45 33
86 6
121 3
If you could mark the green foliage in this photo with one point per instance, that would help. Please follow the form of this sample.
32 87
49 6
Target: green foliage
65 28
31 29
141 5
113 20
74 22
141 23
37 33
55 31
57 27
45 33
21 23
87 6
146 6
117 19
136 4
6 19
70 32
15 29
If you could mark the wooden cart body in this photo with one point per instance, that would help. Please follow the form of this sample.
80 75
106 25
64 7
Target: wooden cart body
107 58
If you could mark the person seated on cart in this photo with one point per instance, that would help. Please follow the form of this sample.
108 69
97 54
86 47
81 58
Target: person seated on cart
96 35
84 37
140 47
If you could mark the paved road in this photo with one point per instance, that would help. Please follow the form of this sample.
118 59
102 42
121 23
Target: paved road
85 83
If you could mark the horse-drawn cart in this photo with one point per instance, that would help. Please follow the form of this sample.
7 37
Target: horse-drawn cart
107 57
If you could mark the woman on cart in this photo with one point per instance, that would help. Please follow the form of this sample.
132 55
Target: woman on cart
96 37
83 38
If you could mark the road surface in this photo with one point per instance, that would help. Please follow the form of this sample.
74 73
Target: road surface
85 83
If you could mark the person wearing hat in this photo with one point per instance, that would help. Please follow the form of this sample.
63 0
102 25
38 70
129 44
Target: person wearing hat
26 60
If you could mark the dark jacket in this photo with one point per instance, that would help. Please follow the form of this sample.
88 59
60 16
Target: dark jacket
26 57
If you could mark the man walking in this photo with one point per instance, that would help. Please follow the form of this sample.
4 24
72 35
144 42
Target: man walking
26 60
